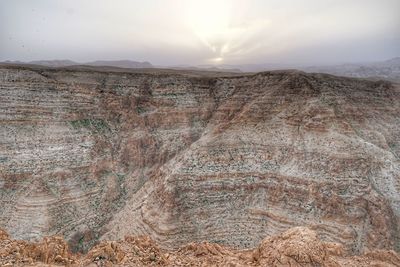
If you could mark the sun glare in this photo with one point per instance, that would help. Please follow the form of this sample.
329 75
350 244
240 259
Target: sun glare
210 20
218 59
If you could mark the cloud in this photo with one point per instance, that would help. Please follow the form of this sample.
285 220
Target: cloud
198 32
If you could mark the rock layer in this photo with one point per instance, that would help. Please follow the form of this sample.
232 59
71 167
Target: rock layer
186 157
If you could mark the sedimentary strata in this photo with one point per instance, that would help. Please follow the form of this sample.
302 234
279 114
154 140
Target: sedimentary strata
186 157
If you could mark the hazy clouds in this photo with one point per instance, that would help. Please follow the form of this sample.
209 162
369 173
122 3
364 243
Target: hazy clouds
201 32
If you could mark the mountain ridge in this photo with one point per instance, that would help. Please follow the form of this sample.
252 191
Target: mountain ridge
388 69
100 63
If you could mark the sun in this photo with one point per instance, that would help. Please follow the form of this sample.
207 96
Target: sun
209 20
218 59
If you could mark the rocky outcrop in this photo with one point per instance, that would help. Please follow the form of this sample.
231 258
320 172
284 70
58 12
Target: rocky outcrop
50 250
187 157
296 247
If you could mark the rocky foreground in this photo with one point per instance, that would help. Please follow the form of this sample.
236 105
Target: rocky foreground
99 154
296 247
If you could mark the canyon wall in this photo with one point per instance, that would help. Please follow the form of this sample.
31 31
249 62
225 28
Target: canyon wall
182 157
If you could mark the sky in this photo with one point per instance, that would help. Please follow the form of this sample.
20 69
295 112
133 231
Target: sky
196 32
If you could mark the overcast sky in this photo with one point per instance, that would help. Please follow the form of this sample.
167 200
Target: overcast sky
171 32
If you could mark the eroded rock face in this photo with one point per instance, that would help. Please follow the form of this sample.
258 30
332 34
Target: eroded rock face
298 246
186 157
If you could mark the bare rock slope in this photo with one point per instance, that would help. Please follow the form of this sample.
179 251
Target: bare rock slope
296 247
186 157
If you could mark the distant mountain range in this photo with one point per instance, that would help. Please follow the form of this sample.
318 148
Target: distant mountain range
388 70
109 63
220 68
121 64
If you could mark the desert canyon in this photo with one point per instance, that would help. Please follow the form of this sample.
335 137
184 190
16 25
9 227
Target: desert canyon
219 161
